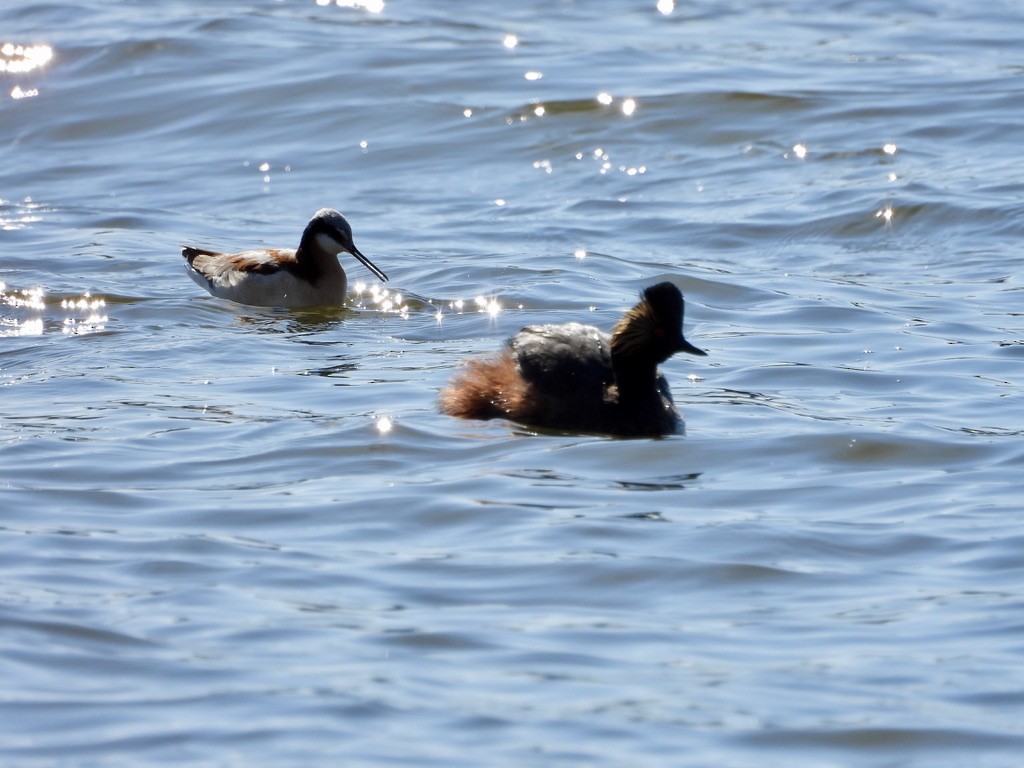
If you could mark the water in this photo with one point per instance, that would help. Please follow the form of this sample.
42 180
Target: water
238 536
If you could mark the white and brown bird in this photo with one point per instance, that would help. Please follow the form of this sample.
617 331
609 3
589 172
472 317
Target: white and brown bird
577 378
309 276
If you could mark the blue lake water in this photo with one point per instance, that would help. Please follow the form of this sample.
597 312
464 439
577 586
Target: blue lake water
243 536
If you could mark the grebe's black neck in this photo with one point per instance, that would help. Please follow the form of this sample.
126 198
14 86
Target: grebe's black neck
648 335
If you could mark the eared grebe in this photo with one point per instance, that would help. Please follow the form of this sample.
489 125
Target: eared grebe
309 276
574 377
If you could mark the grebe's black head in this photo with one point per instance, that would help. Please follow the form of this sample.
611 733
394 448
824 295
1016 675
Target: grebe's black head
331 233
652 331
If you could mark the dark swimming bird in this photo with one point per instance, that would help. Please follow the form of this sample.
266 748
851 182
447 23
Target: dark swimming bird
577 378
310 276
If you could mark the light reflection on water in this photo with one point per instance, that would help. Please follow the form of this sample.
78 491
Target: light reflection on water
22 213
19 59
380 299
27 307
371 6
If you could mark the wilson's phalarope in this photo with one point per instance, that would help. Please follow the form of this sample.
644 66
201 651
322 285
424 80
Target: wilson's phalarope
309 276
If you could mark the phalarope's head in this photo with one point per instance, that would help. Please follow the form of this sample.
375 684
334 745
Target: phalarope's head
653 329
332 234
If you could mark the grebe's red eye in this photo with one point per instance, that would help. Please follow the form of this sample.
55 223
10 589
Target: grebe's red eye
659 332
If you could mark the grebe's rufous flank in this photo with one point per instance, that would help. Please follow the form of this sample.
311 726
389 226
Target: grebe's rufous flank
309 276
577 378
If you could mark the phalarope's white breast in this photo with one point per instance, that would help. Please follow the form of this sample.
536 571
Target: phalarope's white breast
575 377
309 276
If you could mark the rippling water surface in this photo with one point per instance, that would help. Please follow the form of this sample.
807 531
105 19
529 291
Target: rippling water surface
240 536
